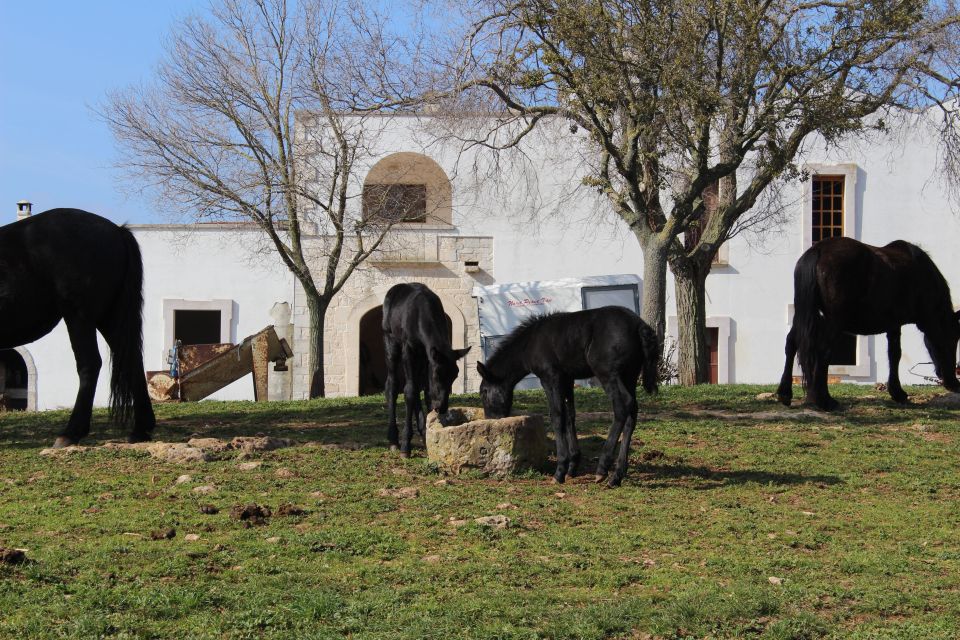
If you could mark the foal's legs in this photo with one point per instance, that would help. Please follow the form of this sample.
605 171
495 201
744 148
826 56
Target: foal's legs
557 404
83 339
624 400
893 353
785 390
391 391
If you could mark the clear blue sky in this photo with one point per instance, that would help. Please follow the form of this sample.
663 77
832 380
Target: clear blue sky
59 60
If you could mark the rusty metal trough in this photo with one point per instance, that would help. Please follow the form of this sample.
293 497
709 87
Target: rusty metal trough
202 369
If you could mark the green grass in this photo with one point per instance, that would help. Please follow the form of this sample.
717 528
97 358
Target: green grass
858 516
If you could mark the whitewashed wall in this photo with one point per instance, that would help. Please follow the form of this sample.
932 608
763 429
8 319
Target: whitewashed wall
544 229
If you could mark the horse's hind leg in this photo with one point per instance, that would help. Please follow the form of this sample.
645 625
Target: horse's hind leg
785 390
620 413
411 394
893 380
628 402
83 339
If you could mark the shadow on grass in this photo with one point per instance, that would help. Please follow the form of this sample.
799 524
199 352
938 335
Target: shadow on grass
645 472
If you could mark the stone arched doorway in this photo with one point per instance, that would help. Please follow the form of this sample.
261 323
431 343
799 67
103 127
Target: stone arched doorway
15 380
363 342
372 374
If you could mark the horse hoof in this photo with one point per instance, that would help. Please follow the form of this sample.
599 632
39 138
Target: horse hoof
556 479
600 477
62 441
614 482
394 447
134 438
404 454
784 399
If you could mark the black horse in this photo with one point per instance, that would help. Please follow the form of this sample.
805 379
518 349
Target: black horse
419 355
842 286
74 265
611 343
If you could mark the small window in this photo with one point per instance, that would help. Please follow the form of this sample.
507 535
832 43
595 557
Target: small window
196 326
827 207
627 295
392 203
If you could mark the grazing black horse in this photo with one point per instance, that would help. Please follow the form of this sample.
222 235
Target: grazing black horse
74 265
418 355
844 286
611 343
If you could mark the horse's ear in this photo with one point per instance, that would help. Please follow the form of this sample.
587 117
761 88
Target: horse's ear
459 353
482 370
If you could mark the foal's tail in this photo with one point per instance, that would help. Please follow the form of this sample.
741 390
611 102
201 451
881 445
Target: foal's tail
127 348
806 314
651 357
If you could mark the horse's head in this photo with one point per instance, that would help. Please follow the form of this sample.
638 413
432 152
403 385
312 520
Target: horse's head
443 373
496 394
942 346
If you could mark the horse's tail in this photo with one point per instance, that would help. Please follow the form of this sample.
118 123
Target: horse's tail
807 321
651 357
127 328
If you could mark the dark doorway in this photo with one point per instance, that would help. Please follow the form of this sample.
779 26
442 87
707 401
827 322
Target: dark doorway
844 350
196 327
373 358
713 348
14 382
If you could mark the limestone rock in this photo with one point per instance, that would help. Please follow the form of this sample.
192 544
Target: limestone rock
463 439
264 443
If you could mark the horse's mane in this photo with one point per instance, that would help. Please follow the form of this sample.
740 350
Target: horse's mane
518 337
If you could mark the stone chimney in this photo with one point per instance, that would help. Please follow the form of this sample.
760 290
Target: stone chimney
24 209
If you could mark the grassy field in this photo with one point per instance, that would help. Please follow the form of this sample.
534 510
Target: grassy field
739 518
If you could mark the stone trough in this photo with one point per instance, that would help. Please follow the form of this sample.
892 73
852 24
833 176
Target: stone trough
463 439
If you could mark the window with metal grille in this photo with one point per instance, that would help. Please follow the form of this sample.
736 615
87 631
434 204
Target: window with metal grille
392 203
827 207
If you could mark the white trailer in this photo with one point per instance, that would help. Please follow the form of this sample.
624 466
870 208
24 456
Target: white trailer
502 307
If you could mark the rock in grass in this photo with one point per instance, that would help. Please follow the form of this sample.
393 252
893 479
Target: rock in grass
495 522
164 534
12 556
209 509
251 514
462 439
402 492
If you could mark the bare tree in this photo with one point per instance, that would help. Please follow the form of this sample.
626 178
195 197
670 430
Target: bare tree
264 114
693 109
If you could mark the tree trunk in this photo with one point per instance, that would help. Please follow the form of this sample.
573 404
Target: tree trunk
653 308
317 307
693 357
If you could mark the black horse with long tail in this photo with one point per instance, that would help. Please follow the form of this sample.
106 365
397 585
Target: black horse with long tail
76 266
842 286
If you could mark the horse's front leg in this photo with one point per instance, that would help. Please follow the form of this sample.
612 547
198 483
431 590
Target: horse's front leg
391 391
83 339
893 354
411 395
573 443
785 390
555 400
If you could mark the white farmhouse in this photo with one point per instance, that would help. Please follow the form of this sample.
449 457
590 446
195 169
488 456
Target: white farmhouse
524 223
